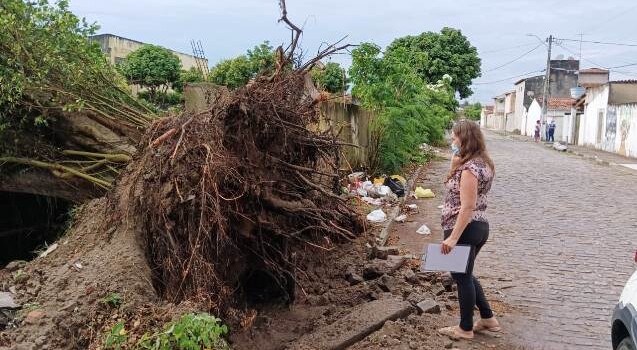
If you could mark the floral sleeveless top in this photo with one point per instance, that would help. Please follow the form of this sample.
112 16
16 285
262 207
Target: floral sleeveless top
451 206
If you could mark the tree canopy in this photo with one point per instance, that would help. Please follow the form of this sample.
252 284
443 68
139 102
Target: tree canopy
332 78
238 71
411 112
151 66
67 118
473 111
48 65
433 55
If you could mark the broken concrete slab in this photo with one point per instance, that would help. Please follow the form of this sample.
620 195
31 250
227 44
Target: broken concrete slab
378 267
387 283
410 276
7 302
353 278
384 252
362 321
428 306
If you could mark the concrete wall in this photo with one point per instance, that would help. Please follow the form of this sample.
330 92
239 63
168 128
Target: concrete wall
593 120
564 76
626 129
532 116
519 114
607 126
533 89
350 121
116 48
352 124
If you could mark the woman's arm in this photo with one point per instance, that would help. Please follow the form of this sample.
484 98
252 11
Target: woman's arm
468 199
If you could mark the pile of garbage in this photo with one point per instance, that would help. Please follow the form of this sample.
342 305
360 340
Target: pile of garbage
382 193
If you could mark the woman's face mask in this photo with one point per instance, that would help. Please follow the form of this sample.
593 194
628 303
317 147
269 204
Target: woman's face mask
455 149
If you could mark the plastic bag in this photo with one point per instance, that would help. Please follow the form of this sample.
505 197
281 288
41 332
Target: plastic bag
401 218
372 201
377 215
420 192
412 206
402 180
384 191
424 230
395 186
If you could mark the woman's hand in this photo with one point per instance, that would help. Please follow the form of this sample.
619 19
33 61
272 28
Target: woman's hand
447 245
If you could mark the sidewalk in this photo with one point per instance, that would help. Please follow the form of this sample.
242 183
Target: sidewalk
599 156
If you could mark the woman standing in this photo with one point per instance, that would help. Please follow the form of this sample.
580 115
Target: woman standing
538 127
464 222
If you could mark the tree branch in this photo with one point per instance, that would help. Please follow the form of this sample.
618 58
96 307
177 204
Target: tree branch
296 31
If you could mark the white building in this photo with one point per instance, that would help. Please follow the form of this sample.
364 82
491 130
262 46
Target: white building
609 121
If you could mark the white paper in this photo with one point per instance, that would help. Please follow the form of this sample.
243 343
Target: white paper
455 261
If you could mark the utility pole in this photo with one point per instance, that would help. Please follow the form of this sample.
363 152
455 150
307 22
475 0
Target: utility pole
547 89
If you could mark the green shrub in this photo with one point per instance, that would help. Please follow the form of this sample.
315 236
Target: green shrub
190 332
116 337
113 300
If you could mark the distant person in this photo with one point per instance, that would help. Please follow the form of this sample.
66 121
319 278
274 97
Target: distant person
552 126
538 127
464 222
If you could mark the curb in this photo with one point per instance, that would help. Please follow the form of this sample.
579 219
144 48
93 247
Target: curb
384 233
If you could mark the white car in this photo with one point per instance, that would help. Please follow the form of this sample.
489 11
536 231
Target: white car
624 323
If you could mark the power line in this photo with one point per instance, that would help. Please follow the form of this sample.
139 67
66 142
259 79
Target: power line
584 59
597 42
514 60
624 65
509 78
600 65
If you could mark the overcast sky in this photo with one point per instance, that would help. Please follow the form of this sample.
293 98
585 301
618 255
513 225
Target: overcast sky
498 28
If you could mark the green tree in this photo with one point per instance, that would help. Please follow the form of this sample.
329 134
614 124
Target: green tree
332 78
410 111
60 99
152 67
237 72
193 75
435 54
473 111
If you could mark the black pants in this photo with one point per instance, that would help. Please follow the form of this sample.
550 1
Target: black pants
551 136
470 291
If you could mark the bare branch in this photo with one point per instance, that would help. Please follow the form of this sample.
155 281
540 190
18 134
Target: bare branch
296 31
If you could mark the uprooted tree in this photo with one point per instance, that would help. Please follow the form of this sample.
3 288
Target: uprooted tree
249 185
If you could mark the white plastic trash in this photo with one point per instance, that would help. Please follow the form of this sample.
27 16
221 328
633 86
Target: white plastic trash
372 201
412 206
401 218
424 230
367 185
377 215
384 191
361 192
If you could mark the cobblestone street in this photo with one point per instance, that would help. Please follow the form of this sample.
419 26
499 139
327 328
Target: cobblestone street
563 234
